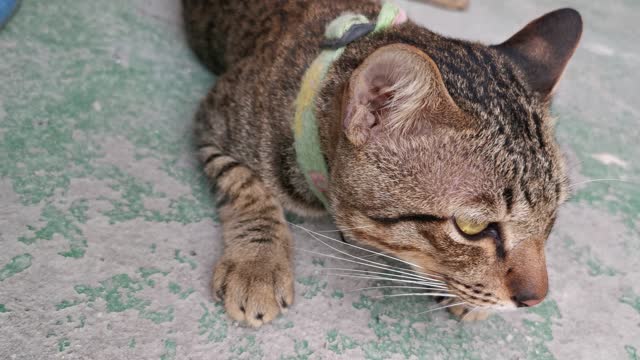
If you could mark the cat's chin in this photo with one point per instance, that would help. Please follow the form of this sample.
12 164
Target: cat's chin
468 314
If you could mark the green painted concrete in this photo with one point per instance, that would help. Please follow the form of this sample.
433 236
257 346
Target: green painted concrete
108 233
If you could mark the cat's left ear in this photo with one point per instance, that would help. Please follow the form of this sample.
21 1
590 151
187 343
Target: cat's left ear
543 48
397 89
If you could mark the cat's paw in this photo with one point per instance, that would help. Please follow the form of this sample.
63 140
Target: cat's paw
464 313
254 292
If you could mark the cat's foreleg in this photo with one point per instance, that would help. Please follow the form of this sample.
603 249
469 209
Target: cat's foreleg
254 276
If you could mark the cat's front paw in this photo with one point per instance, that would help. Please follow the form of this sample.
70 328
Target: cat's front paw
255 291
464 313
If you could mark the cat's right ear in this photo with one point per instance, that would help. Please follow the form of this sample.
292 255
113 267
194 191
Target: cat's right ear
543 48
397 88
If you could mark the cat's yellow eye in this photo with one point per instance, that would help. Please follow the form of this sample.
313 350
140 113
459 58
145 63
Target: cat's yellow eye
470 227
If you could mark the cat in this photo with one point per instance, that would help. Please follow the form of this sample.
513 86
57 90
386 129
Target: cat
438 151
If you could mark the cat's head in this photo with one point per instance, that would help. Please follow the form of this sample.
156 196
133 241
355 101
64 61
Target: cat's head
447 158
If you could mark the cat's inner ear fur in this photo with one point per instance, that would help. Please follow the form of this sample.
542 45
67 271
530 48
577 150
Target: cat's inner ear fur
543 48
398 88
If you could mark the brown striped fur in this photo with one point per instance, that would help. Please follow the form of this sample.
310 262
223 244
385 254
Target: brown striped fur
478 143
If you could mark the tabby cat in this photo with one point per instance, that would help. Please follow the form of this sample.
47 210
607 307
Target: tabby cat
438 151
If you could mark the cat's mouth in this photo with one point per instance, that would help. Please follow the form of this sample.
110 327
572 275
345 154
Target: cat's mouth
476 294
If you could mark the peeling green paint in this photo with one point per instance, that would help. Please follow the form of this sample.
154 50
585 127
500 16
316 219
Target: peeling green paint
3 309
213 323
403 328
246 348
64 224
119 294
632 352
170 350
337 294
184 259
145 273
301 349
159 316
283 324
66 303
313 286
618 198
632 299
49 138
583 255
83 320
132 343
339 343
185 294
174 288
17 265
63 344
317 262
542 330
78 210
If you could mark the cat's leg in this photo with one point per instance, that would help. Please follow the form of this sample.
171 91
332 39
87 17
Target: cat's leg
254 276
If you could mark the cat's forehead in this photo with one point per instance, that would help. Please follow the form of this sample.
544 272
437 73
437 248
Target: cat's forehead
513 126
472 173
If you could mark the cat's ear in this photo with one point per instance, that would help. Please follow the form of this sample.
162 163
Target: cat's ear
543 48
397 87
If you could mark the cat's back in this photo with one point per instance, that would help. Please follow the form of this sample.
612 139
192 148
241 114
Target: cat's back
223 32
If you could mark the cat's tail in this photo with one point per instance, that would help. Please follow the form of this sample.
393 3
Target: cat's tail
203 33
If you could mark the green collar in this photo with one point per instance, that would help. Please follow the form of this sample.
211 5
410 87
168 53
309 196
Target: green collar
340 31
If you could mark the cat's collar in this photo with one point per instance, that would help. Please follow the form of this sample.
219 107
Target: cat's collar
343 30
350 27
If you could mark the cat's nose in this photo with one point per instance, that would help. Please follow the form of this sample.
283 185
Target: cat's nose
528 299
528 288
526 277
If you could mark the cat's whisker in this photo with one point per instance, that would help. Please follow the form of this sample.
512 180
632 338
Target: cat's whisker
358 262
434 284
571 186
377 278
402 275
388 287
400 270
351 228
312 233
433 294
441 307
376 264
373 254
355 246
573 166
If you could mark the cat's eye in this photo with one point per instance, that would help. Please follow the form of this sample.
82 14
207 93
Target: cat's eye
470 227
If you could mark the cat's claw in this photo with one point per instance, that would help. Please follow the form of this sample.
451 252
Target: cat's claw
253 292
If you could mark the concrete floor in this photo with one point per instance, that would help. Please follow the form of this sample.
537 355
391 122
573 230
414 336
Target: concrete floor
108 235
